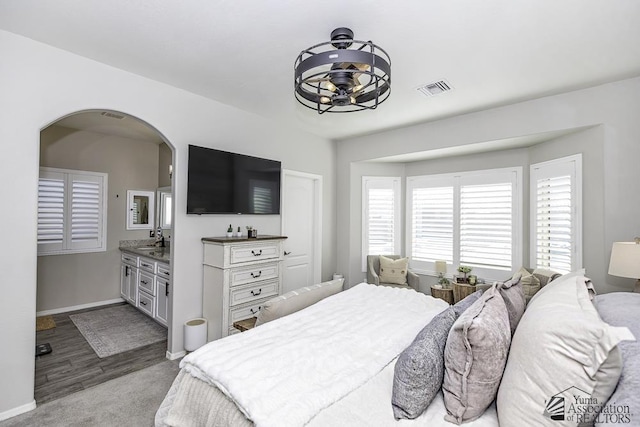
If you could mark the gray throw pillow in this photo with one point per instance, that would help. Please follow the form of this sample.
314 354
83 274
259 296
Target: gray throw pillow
466 302
623 309
514 299
474 358
420 368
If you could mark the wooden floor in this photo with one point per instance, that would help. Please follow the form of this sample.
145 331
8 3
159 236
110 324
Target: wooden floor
73 365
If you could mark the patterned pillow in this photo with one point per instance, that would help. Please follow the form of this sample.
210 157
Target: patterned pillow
420 368
530 283
475 356
393 270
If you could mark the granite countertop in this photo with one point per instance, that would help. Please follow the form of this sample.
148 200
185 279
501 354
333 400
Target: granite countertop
156 253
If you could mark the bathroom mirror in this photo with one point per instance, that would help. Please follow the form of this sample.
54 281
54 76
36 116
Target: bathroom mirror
164 200
140 209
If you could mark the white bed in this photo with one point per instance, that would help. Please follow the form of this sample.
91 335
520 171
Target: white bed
329 364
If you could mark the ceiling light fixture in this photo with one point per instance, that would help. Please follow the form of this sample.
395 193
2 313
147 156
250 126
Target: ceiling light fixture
342 75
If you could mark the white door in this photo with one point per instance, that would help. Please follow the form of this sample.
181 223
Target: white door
302 224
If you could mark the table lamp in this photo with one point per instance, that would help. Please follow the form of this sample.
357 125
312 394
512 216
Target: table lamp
441 270
625 261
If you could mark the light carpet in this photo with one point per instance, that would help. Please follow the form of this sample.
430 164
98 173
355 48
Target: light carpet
131 400
117 329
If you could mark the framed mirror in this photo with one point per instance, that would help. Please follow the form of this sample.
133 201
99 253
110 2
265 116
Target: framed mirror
140 209
164 201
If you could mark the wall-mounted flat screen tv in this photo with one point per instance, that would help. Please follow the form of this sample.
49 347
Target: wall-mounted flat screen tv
228 183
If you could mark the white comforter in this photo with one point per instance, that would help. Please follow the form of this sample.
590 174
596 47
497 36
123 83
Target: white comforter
285 372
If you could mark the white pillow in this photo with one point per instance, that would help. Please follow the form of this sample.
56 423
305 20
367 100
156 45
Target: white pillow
561 350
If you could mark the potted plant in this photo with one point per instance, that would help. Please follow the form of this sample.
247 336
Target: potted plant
464 270
239 232
230 231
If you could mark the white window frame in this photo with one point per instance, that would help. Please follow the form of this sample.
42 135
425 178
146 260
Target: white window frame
67 246
381 182
457 180
571 165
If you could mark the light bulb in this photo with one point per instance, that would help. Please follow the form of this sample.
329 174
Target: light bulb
325 99
353 99
331 87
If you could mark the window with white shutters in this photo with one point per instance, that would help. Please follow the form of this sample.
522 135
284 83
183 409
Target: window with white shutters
556 214
71 211
381 220
470 218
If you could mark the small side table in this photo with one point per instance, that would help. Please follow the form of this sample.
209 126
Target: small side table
245 324
445 294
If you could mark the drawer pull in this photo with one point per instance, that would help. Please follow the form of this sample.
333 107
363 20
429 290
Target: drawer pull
166 273
257 253
126 271
255 294
255 311
144 265
166 290
255 276
144 281
143 303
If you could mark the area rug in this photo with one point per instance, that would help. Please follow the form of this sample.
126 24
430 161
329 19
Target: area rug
117 329
44 322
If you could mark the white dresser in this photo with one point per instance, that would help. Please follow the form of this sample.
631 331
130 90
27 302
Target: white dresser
239 275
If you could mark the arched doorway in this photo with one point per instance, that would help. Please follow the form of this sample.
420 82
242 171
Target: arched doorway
75 279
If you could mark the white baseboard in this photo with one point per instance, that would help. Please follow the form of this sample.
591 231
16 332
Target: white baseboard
78 307
174 356
17 411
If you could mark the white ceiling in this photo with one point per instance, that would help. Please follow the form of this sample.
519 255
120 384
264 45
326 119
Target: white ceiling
241 53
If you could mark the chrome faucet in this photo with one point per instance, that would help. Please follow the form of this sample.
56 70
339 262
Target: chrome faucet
159 238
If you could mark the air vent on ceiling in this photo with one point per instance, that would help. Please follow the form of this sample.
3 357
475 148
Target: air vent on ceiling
112 115
431 89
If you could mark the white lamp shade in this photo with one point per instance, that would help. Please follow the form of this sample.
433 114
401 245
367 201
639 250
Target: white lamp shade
441 267
625 260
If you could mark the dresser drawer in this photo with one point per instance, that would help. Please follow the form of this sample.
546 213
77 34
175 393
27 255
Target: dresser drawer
255 252
130 259
146 303
245 312
255 273
146 282
147 265
245 294
163 270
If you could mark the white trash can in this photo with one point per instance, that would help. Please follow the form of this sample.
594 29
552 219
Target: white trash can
195 334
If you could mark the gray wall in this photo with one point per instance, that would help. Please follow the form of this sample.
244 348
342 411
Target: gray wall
164 160
609 146
78 279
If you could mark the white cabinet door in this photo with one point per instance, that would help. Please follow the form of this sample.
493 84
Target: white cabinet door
162 301
129 283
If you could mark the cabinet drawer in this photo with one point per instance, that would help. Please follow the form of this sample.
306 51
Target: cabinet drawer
255 273
147 265
146 282
244 294
164 271
244 312
130 259
256 252
146 303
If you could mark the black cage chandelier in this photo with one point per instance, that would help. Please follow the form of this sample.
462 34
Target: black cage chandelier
342 75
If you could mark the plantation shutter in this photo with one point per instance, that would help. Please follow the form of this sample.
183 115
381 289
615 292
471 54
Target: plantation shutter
51 195
486 225
86 211
556 215
381 221
381 217
262 200
71 211
432 224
